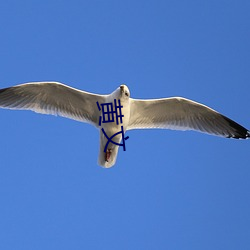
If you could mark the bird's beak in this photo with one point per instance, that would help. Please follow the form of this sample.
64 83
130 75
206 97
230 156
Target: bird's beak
122 88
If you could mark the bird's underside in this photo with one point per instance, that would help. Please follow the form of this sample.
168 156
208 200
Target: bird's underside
167 113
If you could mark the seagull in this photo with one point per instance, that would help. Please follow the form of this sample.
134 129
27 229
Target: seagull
175 113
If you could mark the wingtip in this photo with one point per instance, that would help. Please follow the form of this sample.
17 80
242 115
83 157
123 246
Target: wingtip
239 131
248 134
241 135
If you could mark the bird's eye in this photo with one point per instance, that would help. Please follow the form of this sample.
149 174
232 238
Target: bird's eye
126 93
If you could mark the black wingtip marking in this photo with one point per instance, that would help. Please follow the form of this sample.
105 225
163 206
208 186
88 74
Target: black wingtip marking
239 131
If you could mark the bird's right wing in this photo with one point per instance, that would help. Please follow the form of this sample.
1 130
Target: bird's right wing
53 98
182 114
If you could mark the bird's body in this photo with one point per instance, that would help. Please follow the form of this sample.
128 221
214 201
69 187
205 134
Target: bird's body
167 113
108 159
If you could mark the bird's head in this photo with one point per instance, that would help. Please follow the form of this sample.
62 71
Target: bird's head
124 91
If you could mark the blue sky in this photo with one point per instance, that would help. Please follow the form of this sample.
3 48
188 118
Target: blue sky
170 189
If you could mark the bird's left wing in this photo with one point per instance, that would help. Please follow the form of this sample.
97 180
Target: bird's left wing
182 114
53 98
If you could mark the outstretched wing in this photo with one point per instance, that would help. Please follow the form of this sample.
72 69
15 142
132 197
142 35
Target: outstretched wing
53 98
182 114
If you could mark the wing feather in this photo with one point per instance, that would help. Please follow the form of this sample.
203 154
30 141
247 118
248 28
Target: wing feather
53 98
182 114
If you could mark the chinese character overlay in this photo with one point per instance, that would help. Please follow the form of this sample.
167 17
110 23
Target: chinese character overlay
108 116
108 113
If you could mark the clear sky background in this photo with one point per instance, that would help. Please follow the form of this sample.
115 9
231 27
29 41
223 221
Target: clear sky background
170 189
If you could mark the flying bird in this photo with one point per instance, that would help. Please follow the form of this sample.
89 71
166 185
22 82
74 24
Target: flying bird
175 113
